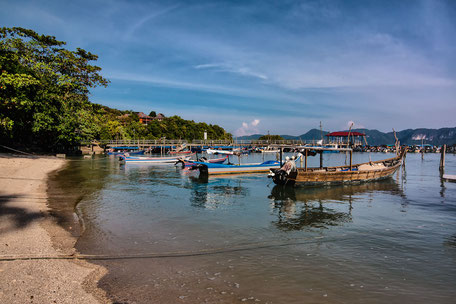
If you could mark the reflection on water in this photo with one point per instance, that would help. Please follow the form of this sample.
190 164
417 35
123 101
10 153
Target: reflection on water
210 194
379 242
301 208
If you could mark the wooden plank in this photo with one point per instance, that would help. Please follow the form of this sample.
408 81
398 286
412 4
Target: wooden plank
449 177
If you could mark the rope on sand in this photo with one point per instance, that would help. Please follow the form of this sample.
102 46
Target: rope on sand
175 254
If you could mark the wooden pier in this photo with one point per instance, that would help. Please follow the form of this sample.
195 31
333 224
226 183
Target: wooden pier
173 144
448 177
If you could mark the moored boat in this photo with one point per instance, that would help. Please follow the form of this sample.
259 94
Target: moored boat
214 169
269 150
189 163
214 151
353 173
180 152
157 160
123 150
208 168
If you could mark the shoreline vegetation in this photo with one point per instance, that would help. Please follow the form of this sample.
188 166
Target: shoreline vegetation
28 228
45 106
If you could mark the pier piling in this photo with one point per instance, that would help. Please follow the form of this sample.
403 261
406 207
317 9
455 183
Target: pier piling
442 159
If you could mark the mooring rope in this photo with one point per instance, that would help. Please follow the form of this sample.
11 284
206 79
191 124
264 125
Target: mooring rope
18 151
174 254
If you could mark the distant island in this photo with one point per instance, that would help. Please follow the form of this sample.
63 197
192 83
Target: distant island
374 137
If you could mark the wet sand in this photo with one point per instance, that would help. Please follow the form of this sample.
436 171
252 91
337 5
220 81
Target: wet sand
27 228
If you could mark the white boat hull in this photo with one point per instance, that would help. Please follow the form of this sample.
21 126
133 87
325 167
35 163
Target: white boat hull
156 160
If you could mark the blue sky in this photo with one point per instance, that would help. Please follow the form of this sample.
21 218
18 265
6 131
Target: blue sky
259 66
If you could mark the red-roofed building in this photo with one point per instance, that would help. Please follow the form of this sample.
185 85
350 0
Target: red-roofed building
144 119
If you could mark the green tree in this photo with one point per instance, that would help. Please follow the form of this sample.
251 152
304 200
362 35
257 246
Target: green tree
270 137
153 114
44 90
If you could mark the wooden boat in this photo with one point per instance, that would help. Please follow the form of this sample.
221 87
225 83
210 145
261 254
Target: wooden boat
207 168
156 160
353 173
213 169
189 163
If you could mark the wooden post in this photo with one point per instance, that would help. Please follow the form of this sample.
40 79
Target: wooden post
442 158
321 159
351 157
306 161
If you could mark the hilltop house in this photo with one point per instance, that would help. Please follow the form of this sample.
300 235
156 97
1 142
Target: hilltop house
143 118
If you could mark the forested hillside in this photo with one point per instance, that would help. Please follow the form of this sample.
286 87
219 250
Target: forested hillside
44 98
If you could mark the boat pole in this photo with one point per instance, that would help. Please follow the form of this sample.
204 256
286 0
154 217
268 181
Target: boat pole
321 159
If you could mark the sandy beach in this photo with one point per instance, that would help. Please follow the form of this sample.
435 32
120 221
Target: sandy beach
27 229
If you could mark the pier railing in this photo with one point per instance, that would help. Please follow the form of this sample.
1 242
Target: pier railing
177 142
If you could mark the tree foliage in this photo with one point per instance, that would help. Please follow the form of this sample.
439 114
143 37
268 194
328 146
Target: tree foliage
43 89
270 137
44 101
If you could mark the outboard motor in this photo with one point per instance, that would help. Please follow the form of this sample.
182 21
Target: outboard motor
202 169
280 177
181 163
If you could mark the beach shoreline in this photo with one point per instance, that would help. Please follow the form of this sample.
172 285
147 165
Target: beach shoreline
27 228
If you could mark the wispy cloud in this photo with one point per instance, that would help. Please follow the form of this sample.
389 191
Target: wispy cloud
322 60
178 84
129 33
231 68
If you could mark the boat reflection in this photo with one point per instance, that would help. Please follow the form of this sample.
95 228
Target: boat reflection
214 193
321 207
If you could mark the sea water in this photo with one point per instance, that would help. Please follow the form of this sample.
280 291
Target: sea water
179 238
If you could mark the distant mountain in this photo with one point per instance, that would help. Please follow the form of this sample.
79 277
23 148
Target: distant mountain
312 134
375 137
249 137
429 136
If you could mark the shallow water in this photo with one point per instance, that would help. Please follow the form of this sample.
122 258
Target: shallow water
242 239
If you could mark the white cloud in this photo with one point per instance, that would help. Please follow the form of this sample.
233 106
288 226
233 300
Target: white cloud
248 128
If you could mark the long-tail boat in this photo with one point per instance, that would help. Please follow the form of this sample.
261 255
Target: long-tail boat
188 163
156 160
353 173
222 169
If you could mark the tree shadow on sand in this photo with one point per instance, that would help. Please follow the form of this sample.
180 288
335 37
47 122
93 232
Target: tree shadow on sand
12 217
